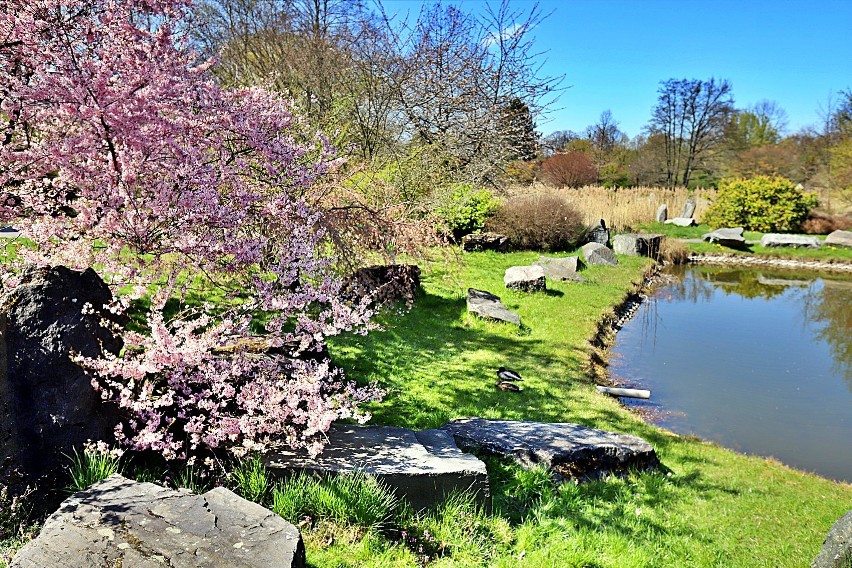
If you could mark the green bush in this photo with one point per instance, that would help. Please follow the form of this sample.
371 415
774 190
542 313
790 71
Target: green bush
465 209
538 222
762 203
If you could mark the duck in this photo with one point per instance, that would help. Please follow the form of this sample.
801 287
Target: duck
505 374
507 386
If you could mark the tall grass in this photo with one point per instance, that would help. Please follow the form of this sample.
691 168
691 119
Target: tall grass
90 467
624 208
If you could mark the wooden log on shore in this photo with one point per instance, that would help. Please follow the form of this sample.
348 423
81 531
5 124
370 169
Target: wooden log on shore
630 393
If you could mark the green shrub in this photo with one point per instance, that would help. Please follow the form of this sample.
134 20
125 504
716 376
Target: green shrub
762 203
91 466
538 222
465 209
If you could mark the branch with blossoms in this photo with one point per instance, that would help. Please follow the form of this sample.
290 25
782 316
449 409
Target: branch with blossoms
121 153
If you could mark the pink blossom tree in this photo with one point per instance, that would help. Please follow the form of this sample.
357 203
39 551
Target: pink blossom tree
118 151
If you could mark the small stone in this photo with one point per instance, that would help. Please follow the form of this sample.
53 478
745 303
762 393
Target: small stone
794 241
525 278
561 269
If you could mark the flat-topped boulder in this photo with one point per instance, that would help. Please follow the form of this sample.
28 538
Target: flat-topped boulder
839 239
726 236
422 467
561 269
783 240
525 278
681 221
488 306
596 253
485 241
119 522
836 550
568 450
637 244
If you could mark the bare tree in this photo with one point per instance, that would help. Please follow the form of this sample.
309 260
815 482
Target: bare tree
691 115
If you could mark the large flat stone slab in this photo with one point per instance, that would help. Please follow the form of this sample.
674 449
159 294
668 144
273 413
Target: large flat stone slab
561 269
839 239
119 522
795 241
637 244
726 236
488 306
569 450
596 253
681 221
837 546
423 467
525 278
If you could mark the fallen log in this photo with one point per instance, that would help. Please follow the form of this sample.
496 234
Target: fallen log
630 393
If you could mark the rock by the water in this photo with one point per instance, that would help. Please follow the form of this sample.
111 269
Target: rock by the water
633 244
423 467
662 213
119 522
596 253
488 306
598 234
525 278
48 403
837 547
783 240
562 269
569 450
839 239
485 241
688 209
681 221
384 284
727 237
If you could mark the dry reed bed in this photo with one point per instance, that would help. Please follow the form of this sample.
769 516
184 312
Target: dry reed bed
623 208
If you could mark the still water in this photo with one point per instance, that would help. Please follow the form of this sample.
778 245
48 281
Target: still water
758 361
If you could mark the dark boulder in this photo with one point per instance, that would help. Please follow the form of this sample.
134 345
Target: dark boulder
384 284
485 241
49 405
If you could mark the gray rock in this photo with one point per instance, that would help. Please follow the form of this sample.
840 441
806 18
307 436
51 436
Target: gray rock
839 239
384 284
423 467
49 406
688 209
568 450
487 305
681 221
662 213
119 522
795 241
561 269
633 244
836 551
525 278
485 241
727 237
598 234
595 253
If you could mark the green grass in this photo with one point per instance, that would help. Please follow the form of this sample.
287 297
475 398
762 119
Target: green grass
709 507
89 467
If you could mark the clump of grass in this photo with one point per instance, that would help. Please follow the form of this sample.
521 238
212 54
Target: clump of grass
673 251
251 480
195 479
91 466
355 499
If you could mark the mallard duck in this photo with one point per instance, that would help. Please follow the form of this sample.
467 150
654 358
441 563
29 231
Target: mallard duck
507 386
505 374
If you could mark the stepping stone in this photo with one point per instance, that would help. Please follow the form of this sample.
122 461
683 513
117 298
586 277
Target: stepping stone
568 450
488 306
485 241
727 237
423 467
525 278
596 253
681 221
120 522
839 239
795 241
633 244
561 269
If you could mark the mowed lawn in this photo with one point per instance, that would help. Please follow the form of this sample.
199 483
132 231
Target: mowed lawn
708 507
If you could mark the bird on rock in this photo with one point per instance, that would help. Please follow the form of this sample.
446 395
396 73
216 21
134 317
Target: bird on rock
505 374
507 386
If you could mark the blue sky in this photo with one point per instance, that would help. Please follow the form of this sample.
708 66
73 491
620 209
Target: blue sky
614 53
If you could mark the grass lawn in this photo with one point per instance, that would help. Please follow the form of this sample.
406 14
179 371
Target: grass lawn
712 507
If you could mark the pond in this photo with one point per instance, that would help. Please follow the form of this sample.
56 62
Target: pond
758 361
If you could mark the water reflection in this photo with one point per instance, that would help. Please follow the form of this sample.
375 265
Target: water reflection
760 361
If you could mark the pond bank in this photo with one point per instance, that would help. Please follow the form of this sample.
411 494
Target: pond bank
835 265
